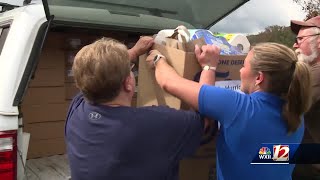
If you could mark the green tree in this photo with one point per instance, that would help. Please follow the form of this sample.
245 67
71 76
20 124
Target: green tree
278 34
311 7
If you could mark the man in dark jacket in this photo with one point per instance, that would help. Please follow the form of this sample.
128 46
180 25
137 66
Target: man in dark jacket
307 46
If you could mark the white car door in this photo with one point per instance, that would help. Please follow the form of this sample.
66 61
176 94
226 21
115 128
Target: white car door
22 33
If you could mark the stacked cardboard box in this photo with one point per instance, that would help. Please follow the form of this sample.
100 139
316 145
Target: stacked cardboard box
48 97
70 53
44 106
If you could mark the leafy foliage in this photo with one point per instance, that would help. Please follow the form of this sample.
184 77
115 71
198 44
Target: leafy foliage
278 34
311 7
282 34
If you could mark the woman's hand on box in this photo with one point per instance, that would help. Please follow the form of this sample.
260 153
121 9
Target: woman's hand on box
207 55
151 58
163 71
169 80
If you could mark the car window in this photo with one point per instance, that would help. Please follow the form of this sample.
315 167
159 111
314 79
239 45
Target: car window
144 13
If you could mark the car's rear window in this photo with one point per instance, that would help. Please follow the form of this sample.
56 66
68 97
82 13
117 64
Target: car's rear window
141 13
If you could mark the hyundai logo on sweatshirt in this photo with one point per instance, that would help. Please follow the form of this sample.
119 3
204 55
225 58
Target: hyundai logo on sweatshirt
94 116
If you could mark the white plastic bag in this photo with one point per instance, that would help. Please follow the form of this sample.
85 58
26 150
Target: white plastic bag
183 35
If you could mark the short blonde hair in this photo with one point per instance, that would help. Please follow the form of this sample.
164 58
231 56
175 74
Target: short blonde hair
100 69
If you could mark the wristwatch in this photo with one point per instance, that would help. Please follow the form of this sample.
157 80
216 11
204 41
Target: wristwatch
157 58
206 67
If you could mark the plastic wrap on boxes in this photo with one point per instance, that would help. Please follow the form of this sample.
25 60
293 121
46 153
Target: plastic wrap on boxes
226 48
238 40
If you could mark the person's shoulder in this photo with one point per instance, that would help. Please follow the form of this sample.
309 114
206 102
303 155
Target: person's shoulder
173 118
315 68
76 101
315 72
232 89
159 110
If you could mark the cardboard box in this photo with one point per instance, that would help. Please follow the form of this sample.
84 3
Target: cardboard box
182 58
44 95
151 94
70 90
55 40
68 75
46 130
229 67
69 58
206 151
44 112
48 147
51 58
50 69
197 169
202 165
48 77
76 40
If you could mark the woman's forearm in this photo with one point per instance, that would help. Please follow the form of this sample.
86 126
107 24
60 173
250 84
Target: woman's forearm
170 81
185 89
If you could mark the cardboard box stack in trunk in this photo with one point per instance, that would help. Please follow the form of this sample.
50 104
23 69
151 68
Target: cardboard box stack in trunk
44 106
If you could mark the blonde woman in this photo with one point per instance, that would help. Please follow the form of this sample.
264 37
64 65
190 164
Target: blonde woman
277 93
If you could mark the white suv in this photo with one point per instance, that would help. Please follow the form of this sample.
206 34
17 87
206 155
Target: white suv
37 43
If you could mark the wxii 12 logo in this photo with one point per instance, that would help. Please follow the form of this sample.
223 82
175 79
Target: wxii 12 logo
280 153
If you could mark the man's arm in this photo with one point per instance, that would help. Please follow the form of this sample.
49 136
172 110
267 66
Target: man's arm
141 47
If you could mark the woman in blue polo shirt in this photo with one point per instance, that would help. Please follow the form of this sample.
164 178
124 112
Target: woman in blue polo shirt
276 90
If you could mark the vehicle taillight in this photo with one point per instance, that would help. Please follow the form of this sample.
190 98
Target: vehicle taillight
8 155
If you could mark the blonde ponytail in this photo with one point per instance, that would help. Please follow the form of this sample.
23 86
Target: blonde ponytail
298 99
288 78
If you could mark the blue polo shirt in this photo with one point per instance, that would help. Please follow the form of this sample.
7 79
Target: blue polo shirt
246 122
122 143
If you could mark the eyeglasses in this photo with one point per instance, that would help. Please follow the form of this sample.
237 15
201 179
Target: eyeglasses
301 39
131 66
